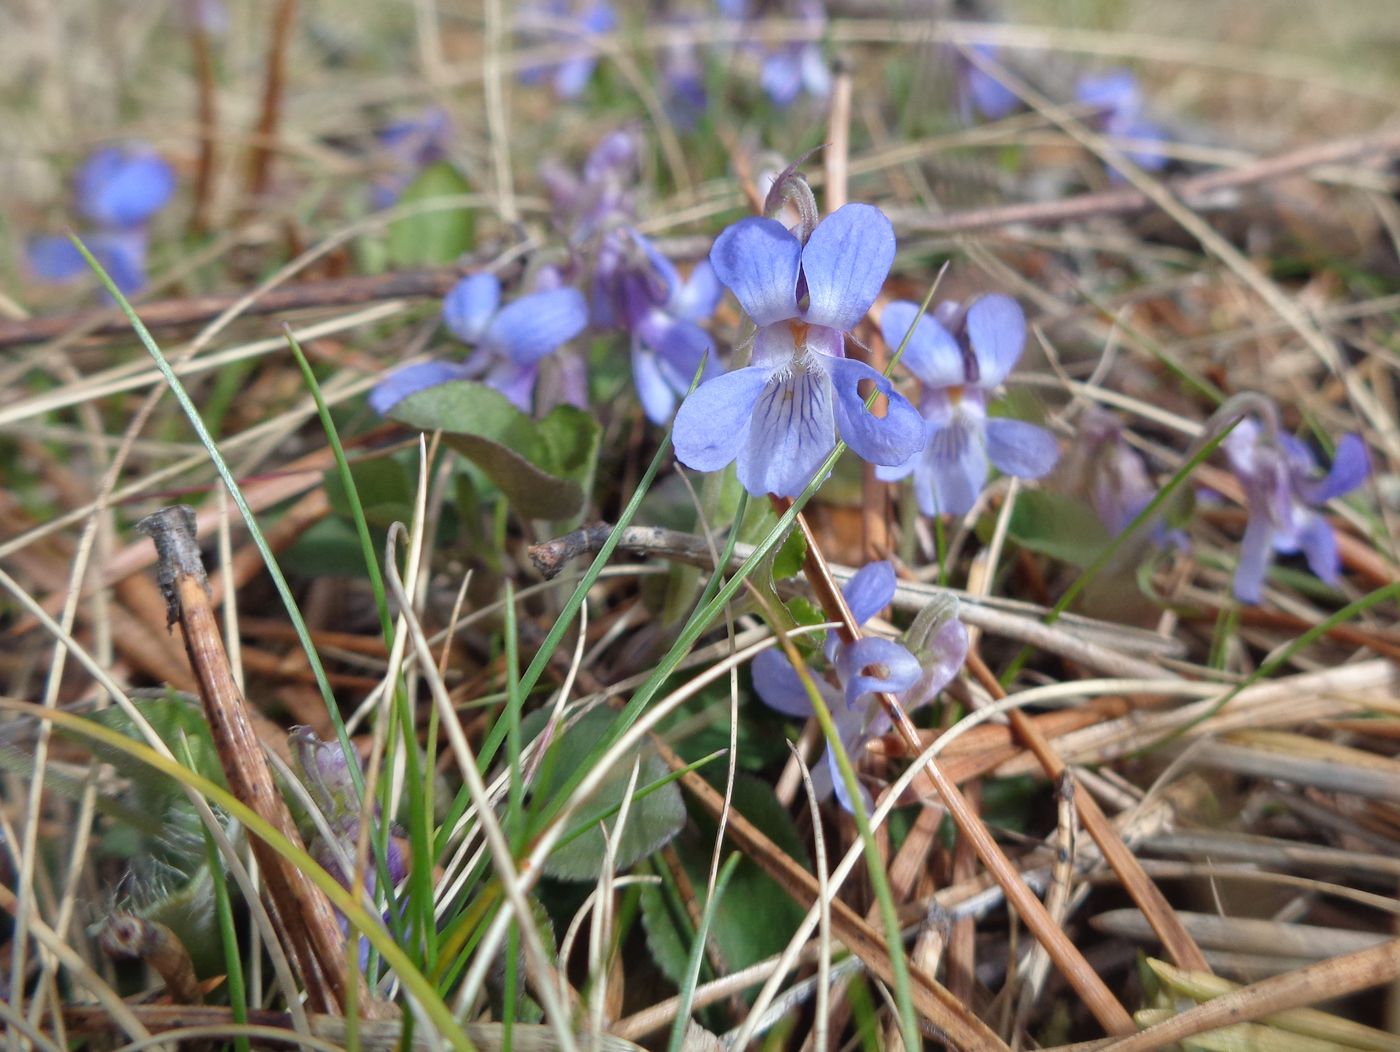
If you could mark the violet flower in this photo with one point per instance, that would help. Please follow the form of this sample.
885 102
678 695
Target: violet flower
601 198
936 647
1117 103
323 770
510 341
978 92
118 189
960 356
791 68
562 22
405 148
777 416
683 78
643 294
1282 489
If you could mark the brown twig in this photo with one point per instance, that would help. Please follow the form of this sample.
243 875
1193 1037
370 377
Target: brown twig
206 114
1323 981
127 937
314 941
1146 894
1112 1016
274 80
963 1029
427 283
1195 191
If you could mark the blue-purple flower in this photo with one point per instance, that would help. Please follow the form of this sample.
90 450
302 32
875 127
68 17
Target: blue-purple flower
1283 488
643 294
1116 101
407 147
788 69
683 78
914 671
601 198
510 341
571 25
960 356
980 93
118 189
777 417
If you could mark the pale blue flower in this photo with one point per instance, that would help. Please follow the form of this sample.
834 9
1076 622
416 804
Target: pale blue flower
864 668
778 416
510 341
1283 488
1116 101
961 356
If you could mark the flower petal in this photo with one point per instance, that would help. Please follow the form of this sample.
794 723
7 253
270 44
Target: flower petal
954 468
781 77
940 660
870 590
1350 467
996 330
791 434
54 259
891 439
1256 549
931 354
1320 548
411 379
516 381
537 324
680 347
873 664
469 306
712 425
657 396
699 295
851 729
758 259
124 186
1017 448
816 75
845 263
779 686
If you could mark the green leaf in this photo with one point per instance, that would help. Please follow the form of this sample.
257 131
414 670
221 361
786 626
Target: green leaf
539 466
652 820
788 562
1058 526
664 938
385 489
433 237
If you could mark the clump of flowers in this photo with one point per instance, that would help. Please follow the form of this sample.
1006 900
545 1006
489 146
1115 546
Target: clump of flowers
405 148
960 356
914 670
1115 101
511 341
571 25
778 417
118 190
633 287
1283 488
323 770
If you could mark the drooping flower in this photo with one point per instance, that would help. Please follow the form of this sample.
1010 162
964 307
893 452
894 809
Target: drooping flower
1283 489
1116 101
980 94
960 356
405 148
777 417
914 670
571 25
118 189
510 341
